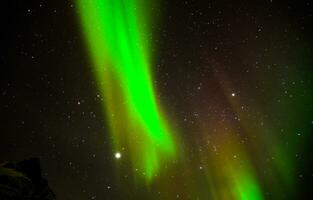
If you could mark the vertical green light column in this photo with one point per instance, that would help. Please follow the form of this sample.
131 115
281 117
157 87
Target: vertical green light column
117 39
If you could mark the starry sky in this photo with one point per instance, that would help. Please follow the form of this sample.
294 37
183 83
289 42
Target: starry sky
215 101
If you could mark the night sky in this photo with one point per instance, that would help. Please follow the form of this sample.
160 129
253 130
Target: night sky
214 102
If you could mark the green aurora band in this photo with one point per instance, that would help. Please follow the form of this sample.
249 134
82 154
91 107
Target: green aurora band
117 37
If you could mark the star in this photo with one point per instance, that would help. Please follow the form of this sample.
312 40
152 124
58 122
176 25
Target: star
118 155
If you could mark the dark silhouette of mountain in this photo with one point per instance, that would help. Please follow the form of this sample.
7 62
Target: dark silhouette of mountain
23 181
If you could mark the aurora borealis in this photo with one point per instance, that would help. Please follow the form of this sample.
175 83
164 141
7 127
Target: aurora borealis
120 56
135 99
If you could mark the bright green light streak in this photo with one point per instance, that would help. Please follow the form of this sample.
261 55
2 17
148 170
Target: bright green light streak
247 188
244 182
239 173
117 42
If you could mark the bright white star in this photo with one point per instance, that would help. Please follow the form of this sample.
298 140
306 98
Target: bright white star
118 155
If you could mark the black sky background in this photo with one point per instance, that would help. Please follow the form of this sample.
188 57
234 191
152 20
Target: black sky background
50 105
